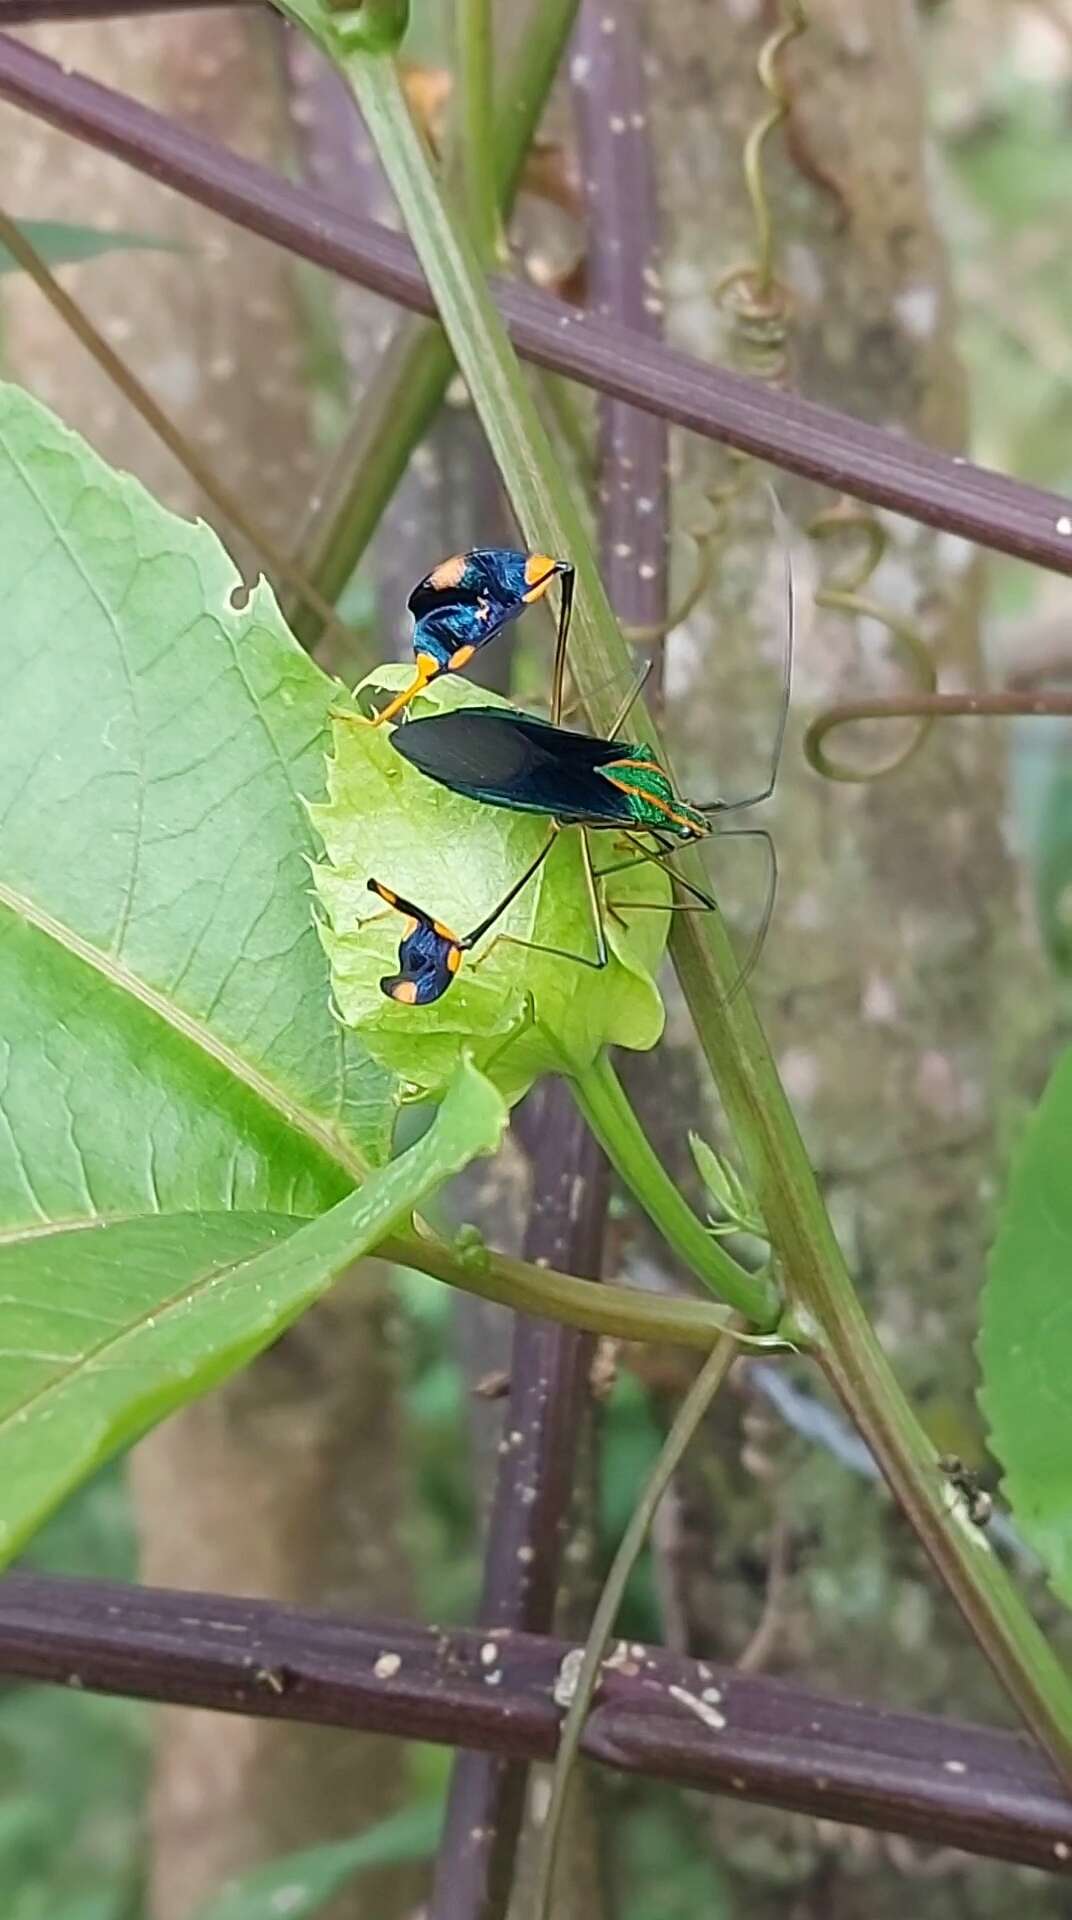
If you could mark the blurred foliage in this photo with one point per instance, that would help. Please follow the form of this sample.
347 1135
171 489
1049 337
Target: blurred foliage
1025 1345
298 1884
73 1767
1007 179
61 244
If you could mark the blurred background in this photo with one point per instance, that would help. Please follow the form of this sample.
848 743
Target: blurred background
914 979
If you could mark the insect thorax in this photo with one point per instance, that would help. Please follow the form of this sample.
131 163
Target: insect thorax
652 800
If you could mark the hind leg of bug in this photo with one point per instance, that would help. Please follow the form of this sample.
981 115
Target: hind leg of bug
643 857
703 902
527 1019
565 953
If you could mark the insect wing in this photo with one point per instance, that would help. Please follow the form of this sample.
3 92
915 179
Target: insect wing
516 761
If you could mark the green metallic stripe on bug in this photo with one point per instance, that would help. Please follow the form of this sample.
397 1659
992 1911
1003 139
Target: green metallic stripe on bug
652 800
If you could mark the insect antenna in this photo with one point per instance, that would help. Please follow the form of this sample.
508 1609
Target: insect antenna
764 793
755 833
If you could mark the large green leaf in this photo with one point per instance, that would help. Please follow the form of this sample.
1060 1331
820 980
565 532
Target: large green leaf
167 1039
103 1330
1025 1347
521 1013
299 1884
61 244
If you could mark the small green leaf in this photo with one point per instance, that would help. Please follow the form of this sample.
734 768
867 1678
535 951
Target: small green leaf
1025 1347
105 1330
61 244
456 858
297 1885
737 1208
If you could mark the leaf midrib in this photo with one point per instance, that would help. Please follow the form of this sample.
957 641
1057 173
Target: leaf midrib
297 1116
154 1312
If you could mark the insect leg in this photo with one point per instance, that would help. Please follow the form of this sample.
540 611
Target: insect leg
565 953
754 799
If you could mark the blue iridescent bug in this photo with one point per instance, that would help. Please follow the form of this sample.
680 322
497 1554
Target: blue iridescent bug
465 601
429 954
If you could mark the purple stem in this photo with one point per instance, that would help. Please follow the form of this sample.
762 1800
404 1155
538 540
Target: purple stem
533 1484
623 257
886 469
938 1780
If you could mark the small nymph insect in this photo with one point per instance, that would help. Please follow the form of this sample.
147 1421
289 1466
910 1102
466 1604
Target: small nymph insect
429 953
464 602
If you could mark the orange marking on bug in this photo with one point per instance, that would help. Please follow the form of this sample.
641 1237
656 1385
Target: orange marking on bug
444 932
427 668
409 925
406 991
654 800
461 658
449 573
539 573
641 766
454 959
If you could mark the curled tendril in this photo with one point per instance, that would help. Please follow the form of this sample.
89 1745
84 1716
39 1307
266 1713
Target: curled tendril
758 303
844 594
930 707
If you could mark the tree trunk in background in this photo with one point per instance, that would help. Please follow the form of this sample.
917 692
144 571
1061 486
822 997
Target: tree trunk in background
288 1481
878 980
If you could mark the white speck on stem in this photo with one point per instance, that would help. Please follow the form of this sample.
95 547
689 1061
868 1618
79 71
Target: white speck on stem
702 1708
567 1677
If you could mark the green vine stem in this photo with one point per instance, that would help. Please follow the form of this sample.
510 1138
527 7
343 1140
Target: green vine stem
475 67
827 1312
621 1313
413 376
603 1101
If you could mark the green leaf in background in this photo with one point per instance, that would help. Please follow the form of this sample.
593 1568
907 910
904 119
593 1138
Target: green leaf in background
72 1774
1025 1346
456 859
1053 864
104 1330
62 245
298 1885
168 1040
